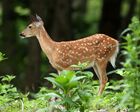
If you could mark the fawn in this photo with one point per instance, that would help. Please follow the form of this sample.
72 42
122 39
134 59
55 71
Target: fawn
97 50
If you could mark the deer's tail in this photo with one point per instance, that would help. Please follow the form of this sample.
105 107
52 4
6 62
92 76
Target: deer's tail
114 56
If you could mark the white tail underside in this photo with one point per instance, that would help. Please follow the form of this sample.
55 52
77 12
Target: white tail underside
114 56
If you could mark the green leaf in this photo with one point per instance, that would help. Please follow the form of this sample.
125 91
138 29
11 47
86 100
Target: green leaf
52 80
2 56
64 77
71 85
77 78
125 31
54 74
53 95
7 78
88 74
67 72
62 80
80 65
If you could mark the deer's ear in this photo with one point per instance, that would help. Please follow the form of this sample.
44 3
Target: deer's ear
38 18
38 24
32 18
35 18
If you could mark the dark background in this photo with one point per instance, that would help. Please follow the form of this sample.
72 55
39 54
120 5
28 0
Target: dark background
64 20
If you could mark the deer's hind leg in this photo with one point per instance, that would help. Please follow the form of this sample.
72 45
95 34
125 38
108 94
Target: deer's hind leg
100 70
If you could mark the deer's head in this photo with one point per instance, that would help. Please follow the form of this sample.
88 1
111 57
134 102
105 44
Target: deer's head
33 28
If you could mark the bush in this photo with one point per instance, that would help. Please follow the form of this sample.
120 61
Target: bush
73 90
131 67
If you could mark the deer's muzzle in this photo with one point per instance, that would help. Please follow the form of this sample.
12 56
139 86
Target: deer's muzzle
22 34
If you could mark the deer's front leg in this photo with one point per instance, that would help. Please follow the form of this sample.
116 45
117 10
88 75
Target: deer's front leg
58 71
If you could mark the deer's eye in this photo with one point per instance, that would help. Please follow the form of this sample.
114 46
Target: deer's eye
30 26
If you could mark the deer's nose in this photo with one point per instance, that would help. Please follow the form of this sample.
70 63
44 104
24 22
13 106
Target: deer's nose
22 34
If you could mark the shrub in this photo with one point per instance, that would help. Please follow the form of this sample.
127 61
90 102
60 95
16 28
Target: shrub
131 70
72 89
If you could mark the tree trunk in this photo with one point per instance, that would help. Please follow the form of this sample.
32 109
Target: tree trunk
8 41
110 17
32 80
127 19
79 24
61 26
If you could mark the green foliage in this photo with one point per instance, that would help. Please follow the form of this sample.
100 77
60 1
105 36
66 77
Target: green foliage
131 70
80 65
22 11
82 94
8 93
72 89
2 56
12 100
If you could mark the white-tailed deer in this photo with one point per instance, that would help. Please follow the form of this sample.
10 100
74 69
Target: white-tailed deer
98 50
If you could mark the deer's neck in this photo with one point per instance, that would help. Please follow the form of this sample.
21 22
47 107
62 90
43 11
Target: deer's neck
46 43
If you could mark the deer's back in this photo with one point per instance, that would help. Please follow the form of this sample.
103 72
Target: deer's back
94 48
